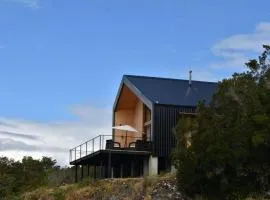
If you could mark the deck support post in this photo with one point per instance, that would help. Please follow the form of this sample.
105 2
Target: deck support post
132 169
88 170
95 171
121 170
110 165
81 171
76 173
101 170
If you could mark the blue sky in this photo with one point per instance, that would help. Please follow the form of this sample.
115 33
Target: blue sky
61 59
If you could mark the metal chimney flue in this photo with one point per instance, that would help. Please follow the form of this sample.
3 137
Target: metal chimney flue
190 78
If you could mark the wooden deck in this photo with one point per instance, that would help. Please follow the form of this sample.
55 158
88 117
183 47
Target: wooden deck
105 143
108 159
101 155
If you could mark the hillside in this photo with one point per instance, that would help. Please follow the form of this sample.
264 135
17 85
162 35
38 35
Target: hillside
162 187
148 188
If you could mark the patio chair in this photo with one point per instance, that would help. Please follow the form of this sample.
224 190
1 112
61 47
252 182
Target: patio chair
110 144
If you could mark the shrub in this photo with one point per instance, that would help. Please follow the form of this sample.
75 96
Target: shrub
225 150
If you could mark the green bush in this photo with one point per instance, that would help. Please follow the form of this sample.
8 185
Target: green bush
59 194
17 177
229 155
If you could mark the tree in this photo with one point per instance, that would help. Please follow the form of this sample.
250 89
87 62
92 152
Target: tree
230 138
17 177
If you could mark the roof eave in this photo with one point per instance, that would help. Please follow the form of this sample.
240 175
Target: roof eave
135 90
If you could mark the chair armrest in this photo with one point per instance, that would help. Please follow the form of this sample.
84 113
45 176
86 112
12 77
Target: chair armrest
116 145
132 145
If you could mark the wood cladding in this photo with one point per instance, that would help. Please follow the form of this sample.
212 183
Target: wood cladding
138 116
127 99
129 111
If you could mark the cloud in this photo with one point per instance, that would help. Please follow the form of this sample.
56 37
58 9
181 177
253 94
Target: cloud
10 144
4 123
7 144
19 135
237 49
89 114
28 3
53 138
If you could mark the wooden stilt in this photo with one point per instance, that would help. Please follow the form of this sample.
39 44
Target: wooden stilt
95 171
121 170
132 169
76 173
81 171
110 165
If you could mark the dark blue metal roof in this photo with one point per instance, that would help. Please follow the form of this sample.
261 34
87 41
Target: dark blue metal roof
173 91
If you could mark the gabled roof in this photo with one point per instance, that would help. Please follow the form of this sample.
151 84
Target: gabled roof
167 91
173 91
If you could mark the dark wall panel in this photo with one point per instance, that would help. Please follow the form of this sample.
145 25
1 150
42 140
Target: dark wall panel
165 119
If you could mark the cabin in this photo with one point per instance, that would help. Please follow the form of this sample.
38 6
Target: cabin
145 111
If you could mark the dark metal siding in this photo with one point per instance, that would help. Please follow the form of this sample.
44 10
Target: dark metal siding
165 119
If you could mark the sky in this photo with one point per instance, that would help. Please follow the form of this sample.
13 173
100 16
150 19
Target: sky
61 62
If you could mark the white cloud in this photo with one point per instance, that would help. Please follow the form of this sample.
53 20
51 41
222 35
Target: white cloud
99 117
55 138
28 3
7 144
235 50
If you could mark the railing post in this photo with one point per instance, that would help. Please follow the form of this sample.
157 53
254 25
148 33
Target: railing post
100 142
86 150
101 146
93 145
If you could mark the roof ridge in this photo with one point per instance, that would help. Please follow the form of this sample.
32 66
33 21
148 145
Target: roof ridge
166 78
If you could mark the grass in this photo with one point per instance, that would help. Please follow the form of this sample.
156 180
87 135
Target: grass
251 197
89 189
122 189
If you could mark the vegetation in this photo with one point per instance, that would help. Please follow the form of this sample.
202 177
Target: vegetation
17 177
162 187
224 151
32 179
147 188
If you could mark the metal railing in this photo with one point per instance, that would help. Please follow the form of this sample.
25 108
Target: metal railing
93 145
99 143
